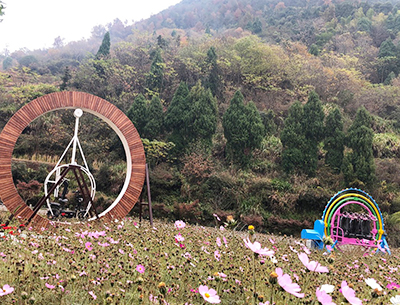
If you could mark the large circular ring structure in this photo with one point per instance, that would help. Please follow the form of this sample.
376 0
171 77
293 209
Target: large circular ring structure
115 118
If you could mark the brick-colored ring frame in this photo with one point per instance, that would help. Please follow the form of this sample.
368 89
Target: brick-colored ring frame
114 117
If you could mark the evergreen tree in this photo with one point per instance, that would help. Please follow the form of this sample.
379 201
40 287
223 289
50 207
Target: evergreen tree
359 163
138 114
65 79
243 129
334 140
293 138
268 121
203 115
156 74
177 117
104 49
387 49
154 118
7 63
257 26
313 127
213 81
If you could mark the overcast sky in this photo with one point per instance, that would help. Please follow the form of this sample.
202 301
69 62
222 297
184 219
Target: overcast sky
35 24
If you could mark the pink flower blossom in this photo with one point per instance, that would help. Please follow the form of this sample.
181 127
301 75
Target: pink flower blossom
179 224
256 248
218 242
312 265
209 295
121 251
392 285
88 246
285 282
93 295
140 268
216 216
50 286
179 238
323 297
7 289
225 241
217 255
350 294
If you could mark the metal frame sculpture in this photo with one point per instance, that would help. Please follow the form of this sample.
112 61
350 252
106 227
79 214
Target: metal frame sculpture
115 118
353 228
85 196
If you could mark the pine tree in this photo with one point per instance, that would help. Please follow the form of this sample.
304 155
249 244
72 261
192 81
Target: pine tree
203 115
65 79
293 138
176 117
104 49
178 109
156 74
243 129
138 114
213 81
313 127
334 140
360 161
154 117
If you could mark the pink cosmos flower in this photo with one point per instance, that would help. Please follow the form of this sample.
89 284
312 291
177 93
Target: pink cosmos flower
210 295
225 241
285 282
179 238
50 286
140 268
179 224
256 248
93 295
121 251
350 294
88 246
392 285
312 265
7 289
217 255
323 297
103 244
218 241
216 216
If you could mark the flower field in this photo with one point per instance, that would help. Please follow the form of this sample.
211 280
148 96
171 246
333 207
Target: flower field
177 263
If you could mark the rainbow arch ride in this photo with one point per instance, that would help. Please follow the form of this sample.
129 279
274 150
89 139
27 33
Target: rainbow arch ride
365 228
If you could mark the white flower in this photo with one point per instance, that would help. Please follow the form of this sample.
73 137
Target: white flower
327 288
373 284
395 300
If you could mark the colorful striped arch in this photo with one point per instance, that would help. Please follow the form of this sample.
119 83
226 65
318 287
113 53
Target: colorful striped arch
353 196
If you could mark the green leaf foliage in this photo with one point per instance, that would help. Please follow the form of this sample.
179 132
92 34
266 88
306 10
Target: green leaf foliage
359 139
334 140
137 113
154 119
105 46
243 129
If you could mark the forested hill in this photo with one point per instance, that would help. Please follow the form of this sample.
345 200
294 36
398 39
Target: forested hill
311 22
260 109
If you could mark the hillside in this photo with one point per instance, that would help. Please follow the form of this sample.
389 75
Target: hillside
176 76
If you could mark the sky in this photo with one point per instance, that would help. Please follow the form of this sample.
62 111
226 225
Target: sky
35 24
